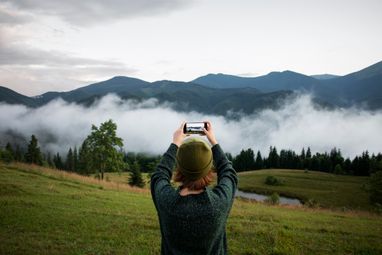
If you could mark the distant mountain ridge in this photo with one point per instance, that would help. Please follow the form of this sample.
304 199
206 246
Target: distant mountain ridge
221 93
363 87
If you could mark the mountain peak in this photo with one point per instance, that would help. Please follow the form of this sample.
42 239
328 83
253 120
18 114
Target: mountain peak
373 70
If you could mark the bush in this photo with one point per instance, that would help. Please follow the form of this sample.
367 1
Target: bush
375 188
6 156
273 199
271 180
312 203
338 169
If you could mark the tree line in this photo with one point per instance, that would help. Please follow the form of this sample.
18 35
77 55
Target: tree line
100 152
332 162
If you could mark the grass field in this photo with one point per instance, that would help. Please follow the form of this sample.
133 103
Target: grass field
123 178
52 212
328 190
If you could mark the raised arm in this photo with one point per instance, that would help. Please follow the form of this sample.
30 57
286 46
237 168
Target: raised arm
227 177
161 178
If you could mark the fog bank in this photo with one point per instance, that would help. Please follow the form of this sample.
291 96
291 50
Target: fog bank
148 126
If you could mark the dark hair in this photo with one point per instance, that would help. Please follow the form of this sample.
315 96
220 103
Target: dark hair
194 184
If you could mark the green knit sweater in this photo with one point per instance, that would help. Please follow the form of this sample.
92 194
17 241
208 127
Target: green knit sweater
193 224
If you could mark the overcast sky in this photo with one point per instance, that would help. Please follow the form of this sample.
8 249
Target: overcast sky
61 45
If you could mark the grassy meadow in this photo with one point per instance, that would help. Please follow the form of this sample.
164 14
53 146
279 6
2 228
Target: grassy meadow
328 190
123 178
47 211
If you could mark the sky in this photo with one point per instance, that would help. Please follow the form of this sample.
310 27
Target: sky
60 45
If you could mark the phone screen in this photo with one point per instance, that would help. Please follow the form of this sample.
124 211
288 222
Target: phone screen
194 127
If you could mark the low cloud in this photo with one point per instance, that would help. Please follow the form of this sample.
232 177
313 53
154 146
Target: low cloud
33 71
97 11
148 126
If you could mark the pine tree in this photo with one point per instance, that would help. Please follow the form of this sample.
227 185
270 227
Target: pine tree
245 160
273 158
69 164
33 154
303 154
19 154
49 160
84 159
75 159
58 161
135 178
308 153
259 161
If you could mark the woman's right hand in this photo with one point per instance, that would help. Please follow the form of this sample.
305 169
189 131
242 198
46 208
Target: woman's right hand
210 133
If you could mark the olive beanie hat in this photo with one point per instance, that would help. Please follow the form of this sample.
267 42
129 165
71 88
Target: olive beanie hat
194 158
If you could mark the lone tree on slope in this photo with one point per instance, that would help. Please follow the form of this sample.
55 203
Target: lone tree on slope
103 143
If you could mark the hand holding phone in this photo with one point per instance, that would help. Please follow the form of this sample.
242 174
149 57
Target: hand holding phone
209 132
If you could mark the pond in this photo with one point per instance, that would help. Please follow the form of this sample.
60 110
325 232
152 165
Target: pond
260 197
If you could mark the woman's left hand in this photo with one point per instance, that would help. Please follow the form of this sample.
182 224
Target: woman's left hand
179 136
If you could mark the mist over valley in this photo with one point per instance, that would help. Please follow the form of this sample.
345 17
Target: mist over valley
147 126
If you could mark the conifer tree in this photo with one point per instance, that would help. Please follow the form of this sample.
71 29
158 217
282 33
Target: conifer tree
308 153
58 161
259 161
33 154
69 164
18 154
75 159
49 160
135 178
273 158
84 159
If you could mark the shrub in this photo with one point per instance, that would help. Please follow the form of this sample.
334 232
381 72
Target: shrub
271 180
312 203
375 188
338 169
273 199
6 156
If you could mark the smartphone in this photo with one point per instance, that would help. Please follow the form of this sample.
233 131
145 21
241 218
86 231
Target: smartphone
194 128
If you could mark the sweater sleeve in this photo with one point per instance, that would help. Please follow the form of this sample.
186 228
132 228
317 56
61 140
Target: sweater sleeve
227 177
161 178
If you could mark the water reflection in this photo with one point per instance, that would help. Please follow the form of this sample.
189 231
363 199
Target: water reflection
260 197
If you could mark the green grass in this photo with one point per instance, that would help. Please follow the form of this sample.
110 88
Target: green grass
123 177
50 212
328 190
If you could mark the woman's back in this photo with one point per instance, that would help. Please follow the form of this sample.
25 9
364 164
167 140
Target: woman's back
193 224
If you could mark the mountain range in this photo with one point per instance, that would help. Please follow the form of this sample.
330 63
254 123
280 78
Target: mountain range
222 94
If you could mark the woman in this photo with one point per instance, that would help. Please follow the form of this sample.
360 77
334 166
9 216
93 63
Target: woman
193 217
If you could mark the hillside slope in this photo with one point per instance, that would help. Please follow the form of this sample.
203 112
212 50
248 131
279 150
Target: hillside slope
328 190
12 97
51 212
